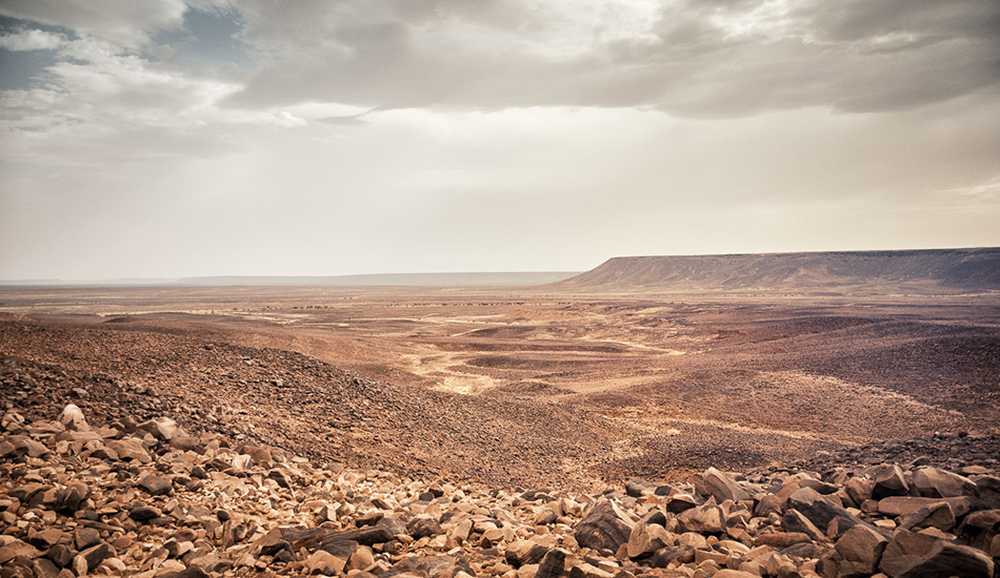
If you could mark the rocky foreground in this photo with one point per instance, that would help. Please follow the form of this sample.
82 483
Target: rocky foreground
149 499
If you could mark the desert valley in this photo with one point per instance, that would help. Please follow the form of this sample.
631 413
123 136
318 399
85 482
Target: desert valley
631 382
499 289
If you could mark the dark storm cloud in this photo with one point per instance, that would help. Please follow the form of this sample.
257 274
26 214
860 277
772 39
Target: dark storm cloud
695 58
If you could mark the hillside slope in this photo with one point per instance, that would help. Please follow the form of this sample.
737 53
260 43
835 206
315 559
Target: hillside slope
947 269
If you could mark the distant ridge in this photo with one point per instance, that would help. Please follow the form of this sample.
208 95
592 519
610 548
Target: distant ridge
473 279
924 269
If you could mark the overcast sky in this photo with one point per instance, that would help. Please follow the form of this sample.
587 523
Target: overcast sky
169 138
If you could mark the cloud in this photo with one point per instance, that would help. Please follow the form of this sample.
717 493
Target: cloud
692 58
124 22
28 40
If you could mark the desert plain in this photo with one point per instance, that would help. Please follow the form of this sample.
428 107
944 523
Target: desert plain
511 385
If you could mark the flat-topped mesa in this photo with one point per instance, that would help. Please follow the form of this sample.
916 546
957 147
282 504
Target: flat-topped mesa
151 500
930 270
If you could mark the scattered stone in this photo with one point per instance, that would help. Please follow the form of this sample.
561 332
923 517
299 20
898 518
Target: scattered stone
913 555
606 527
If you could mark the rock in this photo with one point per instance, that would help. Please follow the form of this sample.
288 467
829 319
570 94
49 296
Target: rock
821 511
938 483
192 572
45 538
61 555
322 562
162 428
637 488
707 518
859 489
156 485
85 538
937 515
524 552
129 449
44 568
712 482
585 570
680 502
859 550
734 574
553 564
913 555
72 417
88 560
361 559
605 527
796 523
978 528
423 526
645 539
144 513
18 549
902 505
782 539
889 481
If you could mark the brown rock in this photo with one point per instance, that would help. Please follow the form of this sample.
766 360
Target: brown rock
645 539
889 481
553 564
423 526
712 482
707 518
322 562
821 511
156 485
524 552
902 505
18 549
781 539
88 560
61 555
915 555
938 483
938 515
860 550
605 527
85 538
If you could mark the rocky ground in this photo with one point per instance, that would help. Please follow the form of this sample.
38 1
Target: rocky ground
147 498
286 399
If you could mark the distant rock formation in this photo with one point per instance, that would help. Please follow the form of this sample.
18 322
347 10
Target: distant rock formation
931 270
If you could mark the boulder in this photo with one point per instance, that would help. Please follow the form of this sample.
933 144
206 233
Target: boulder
937 515
707 518
916 555
524 552
712 482
859 551
822 512
889 481
605 527
645 539
553 564
938 483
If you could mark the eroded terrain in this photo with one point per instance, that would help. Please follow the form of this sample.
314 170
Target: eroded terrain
506 386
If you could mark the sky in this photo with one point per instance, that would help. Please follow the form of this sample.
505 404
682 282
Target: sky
172 138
